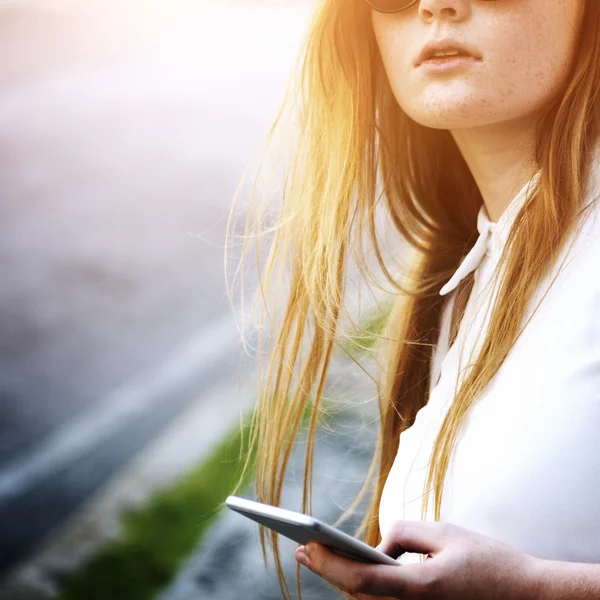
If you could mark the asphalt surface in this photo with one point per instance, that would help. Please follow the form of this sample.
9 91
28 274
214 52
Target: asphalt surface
124 130
228 565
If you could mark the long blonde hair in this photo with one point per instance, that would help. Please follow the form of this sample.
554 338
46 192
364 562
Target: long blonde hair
351 133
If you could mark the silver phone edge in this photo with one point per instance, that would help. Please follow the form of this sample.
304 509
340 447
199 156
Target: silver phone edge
359 545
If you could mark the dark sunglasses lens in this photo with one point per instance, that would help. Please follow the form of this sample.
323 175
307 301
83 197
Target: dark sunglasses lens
390 5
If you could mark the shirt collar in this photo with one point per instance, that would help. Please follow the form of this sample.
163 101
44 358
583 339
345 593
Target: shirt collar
492 236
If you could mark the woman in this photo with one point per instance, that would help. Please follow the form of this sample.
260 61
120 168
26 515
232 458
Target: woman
481 119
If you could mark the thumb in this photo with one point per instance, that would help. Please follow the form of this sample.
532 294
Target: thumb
423 537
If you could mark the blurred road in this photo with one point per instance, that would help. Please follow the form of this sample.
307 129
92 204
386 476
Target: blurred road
124 129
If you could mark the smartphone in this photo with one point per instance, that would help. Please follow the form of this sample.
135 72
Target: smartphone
303 528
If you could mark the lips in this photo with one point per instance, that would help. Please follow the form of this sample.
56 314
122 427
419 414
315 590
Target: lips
430 50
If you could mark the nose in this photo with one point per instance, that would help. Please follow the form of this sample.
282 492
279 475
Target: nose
452 10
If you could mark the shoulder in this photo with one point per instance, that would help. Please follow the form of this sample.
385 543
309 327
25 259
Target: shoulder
582 246
561 325
587 231
584 243
571 290
577 267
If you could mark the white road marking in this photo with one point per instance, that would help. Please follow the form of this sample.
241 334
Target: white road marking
122 406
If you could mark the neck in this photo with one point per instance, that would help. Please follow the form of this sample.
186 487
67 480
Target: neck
501 159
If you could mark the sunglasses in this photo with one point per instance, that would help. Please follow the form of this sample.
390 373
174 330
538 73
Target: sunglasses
392 6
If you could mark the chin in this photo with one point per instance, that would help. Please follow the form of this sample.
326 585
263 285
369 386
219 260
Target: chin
446 120
451 107
451 115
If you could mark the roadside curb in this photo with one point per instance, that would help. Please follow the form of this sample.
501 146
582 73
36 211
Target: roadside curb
184 443
178 449
227 564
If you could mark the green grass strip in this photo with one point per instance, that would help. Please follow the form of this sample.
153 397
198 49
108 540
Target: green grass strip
160 535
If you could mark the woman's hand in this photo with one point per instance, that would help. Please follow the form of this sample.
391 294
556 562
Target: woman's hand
460 565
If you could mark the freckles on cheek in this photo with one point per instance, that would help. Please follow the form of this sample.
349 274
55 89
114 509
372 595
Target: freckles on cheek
515 84
539 77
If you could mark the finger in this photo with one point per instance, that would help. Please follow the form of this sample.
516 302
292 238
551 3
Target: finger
359 596
422 537
364 579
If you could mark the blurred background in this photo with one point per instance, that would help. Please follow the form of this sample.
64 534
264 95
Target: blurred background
125 127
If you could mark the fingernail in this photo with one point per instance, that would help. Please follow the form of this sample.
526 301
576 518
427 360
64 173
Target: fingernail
301 558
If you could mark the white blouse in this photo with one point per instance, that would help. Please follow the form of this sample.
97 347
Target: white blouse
525 469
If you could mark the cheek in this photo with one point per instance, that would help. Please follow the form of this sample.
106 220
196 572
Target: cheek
532 67
397 52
